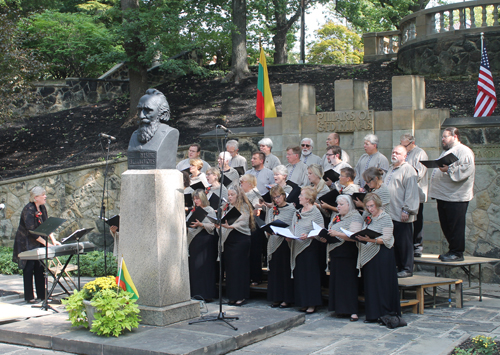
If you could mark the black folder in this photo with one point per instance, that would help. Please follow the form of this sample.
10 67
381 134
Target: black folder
259 222
360 195
332 175
227 181
371 233
448 159
113 221
188 200
198 186
330 198
276 223
267 197
49 226
293 196
231 216
240 170
76 235
198 214
214 201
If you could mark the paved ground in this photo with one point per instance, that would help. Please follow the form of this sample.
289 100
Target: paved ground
437 331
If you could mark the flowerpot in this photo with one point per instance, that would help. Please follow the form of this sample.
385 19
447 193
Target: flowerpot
90 310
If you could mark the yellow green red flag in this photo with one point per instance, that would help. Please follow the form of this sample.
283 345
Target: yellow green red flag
124 280
265 102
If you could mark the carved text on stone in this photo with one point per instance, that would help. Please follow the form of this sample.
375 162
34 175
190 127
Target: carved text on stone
142 160
345 121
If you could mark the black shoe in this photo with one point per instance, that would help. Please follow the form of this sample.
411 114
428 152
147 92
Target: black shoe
285 305
452 257
404 273
370 321
440 257
275 305
417 255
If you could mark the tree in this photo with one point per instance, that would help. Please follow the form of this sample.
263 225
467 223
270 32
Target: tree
278 17
19 66
336 45
73 44
376 15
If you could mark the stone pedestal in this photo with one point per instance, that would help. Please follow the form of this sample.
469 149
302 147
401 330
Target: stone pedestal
154 245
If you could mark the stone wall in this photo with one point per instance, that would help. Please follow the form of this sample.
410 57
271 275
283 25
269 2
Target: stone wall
450 55
74 194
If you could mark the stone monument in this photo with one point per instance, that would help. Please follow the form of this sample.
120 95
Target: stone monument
152 220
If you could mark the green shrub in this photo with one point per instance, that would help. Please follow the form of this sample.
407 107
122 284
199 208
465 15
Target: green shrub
7 266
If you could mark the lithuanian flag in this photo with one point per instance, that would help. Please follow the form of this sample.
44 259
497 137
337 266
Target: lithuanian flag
265 102
124 280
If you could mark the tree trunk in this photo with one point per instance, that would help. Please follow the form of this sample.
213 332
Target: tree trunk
239 62
280 50
137 71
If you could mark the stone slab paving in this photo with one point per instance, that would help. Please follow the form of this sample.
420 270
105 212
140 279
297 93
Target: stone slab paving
263 330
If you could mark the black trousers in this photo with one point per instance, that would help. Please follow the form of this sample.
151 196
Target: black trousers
33 267
452 220
418 230
403 245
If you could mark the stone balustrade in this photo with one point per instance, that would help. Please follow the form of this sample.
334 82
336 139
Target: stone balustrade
380 45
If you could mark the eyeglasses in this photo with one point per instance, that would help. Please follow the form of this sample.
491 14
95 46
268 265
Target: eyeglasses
329 155
276 197
305 145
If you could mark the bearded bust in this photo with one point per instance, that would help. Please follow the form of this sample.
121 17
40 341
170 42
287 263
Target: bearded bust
154 144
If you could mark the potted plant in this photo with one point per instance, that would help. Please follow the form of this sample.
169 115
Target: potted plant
104 307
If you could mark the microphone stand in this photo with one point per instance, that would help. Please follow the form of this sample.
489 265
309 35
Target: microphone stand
221 316
103 212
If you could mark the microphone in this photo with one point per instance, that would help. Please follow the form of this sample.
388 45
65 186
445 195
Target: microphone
2 206
107 136
225 129
224 199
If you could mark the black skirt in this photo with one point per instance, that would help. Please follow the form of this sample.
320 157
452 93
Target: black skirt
203 265
280 282
381 285
257 238
307 276
343 290
236 263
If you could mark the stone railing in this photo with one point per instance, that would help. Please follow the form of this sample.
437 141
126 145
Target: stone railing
469 17
380 45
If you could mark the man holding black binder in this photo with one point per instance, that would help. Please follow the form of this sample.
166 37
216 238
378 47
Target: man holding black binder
452 187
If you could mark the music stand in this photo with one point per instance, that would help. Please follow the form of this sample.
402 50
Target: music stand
44 230
76 235
221 316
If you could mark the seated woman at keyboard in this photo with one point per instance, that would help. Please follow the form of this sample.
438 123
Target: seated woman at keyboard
33 214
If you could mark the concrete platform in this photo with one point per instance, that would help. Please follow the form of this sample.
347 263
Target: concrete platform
54 332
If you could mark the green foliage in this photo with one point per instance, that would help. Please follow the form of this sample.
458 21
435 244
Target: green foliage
7 266
101 283
481 345
116 312
376 15
336 45
73 44
76 309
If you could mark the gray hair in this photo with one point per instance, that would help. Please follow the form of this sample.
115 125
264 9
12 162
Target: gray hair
373 139
308 139
267 142
280 170
407 137
232 143
35 192
226 156
347 199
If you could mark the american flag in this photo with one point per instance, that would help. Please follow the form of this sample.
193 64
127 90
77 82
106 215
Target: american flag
486 100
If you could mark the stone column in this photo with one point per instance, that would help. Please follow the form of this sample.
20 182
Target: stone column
154 244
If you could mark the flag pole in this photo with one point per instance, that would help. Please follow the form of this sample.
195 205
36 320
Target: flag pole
482 39
119 275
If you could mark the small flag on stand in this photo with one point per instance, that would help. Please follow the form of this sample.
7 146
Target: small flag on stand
124 280
486 100
265 102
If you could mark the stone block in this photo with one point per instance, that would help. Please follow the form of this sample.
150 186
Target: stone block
273 126
385 140
290 98
307 97
351 95
370 44
277 144
383 121
408 91
360 95
288 141
159 267
291 123
402 119
160 316
309 126
428 139
430 118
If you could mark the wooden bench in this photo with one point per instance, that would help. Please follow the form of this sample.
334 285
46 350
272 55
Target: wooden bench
420 283
466 265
